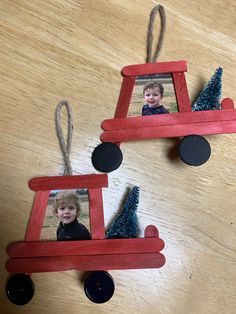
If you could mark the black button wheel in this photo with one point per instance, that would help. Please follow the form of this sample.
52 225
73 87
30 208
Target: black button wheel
20 289
107 157
99 286
194 150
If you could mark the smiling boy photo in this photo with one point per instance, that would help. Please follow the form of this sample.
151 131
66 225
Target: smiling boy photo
153 94
67 209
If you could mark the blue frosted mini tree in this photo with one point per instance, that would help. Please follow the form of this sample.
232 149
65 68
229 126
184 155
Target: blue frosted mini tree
209 98
125 224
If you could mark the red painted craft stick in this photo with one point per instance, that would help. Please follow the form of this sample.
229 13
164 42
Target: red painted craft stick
153 68
169 119
97 228
151 231
86 263
85 247
177 130
37 216
227 103
68 182
124 97
181 92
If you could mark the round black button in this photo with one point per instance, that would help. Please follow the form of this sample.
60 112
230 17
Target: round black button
99 286
194 150
20 289
107 157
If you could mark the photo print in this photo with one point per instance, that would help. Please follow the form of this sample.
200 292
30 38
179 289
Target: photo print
59 199
153 94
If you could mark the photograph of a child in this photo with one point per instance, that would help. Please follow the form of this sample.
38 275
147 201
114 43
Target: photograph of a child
64 219
67 209
153 94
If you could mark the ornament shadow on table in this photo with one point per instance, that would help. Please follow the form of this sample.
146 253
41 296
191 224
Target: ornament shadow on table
118 249
206 116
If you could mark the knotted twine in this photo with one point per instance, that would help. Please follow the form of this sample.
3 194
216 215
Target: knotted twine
65 146
150 58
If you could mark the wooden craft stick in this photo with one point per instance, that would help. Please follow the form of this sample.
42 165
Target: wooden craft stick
153 68
169 119
177 130
227 103
37 216
68 182
151 231
181 92
85 247
96 215
124 97
86 263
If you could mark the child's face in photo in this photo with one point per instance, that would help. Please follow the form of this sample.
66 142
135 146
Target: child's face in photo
152 97
67 213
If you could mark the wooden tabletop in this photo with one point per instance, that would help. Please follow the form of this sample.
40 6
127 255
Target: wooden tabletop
75 50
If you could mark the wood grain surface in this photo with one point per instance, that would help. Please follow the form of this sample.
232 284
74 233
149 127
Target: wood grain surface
75 49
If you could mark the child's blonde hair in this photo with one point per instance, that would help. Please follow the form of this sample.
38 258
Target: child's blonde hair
64 197
153 84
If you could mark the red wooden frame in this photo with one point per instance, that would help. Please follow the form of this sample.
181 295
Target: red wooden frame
43 185
184 122
33 255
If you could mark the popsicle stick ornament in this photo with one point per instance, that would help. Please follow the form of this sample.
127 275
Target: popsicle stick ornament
95 250
154 103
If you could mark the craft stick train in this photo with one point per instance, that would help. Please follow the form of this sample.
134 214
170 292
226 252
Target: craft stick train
97 255
187 124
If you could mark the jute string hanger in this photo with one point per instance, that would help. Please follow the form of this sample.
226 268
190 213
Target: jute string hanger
153 58
65 145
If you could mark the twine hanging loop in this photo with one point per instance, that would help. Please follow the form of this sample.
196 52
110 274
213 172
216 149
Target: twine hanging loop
65 146
150 58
